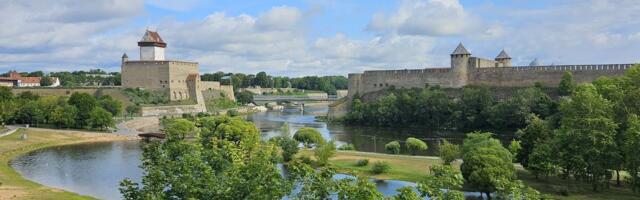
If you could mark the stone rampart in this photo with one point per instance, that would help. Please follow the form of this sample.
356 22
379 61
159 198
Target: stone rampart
549 76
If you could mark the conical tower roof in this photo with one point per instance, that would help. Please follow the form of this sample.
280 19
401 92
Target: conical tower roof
125 55
503 55
535 62
151 38
460 50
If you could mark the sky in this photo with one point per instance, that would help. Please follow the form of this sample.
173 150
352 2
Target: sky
305 37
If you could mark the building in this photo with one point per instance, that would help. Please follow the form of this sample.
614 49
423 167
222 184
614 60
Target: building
179 79
17 80
468 70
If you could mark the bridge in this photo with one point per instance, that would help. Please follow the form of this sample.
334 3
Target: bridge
292 98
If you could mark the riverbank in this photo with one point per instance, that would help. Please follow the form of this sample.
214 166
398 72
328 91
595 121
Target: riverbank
14 186
415 168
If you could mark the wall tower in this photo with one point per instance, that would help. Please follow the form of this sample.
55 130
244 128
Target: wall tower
504 58
151 46
460 66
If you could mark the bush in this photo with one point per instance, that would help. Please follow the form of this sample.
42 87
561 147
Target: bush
449 152
232 113
347 147
306 159
380 167
414 145
362 162
308 136
393 147
324 152
289 147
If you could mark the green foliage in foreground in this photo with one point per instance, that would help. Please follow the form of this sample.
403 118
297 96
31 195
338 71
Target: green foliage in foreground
308 137
380 167
393 147
324 152
448 152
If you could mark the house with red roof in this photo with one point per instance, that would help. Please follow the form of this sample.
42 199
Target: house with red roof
17 80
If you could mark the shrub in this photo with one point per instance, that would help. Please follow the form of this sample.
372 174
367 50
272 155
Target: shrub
306 159
380 167
414 145
347 147
289 147
362 162
393 147
308 136
232 113
449 152
324 152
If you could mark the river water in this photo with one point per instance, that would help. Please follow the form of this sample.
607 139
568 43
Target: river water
95 169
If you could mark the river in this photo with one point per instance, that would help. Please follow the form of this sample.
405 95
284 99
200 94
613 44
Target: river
95 169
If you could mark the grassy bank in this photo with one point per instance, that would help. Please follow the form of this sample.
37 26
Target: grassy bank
415 168
14 186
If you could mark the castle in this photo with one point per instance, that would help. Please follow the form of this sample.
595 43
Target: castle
468 70
180 80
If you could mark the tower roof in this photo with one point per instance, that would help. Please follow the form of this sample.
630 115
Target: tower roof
125 55
460 50
152 38
503 55
535 62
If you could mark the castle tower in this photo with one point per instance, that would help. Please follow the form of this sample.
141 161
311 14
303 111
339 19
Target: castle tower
125 58
504 58
460 66
151 46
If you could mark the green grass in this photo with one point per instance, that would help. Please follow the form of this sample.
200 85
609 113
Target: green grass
220 104
12 184
415 168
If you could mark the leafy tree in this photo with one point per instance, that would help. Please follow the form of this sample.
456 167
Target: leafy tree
485 162
536 132
46 81
100 118
434 108
516 190
111 105
244 97
64 116
324 152
567 84
585 141
540 161
514 148
414 145
289 147
473 108
5 94
85 103
179 129
221 169
631 151
308 137
30 113
360 188
406 193
315 184
448 152
442 183
393 147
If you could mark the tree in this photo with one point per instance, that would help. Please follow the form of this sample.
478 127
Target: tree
213 166
111 105
473 108
414 145
64 116
100 118
324 152
30 113
85 103
567 84
360 188
45 81
5 94
308 137
289 147
244 97
514 148
179 129
448 152
631 151
406 193
540 161
485 163
536 132
393 147
443 183
585 141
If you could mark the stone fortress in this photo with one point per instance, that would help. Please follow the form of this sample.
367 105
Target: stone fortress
179 79
468 70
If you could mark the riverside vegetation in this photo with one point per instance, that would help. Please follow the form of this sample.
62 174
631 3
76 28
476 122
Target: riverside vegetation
589 135
80 110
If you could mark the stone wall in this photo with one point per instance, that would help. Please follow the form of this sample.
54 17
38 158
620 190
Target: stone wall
172 110
549 76
371 81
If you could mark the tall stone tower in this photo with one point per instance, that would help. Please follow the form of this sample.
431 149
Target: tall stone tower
151 46
460 66
503 58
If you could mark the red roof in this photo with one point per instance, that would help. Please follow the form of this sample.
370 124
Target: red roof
152 38
15 76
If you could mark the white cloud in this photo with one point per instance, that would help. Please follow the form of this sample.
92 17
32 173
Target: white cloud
426 17
182 5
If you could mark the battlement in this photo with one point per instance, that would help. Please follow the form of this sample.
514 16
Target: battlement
593 67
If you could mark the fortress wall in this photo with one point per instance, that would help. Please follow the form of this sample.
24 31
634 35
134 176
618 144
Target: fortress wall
483 63
547 75
178 73
145 74
371 81
353 85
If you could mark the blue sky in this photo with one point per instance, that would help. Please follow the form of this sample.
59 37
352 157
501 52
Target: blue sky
304 37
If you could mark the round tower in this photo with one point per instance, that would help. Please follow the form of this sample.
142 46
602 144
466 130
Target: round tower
504 59
151 46
460 66
125 58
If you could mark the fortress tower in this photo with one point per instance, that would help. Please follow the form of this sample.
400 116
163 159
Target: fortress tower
504 59
151 46
460 66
